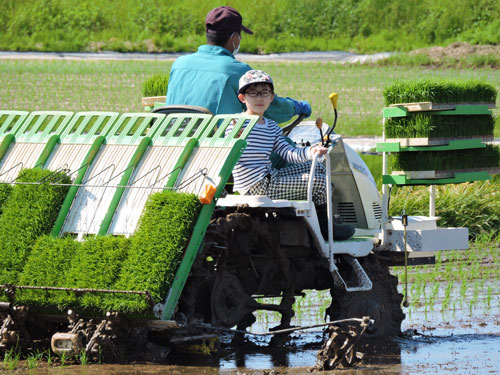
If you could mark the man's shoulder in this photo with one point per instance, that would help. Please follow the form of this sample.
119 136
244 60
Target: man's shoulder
202 61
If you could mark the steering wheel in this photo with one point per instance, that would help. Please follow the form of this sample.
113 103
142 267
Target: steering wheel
288 128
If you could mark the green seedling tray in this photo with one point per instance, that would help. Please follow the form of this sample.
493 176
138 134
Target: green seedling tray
131 128
85 127
452 145
10 121
172 145
212 137
459 109
458 178
41 125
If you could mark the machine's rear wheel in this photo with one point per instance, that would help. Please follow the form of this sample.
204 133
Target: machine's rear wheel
382 303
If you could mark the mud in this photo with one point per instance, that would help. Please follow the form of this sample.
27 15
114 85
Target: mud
461 340
458 50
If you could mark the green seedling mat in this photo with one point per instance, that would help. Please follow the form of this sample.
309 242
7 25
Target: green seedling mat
212 137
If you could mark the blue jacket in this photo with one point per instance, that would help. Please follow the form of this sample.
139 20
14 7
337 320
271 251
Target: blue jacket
210 77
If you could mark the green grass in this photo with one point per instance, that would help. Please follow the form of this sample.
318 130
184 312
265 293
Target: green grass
117 86
281 25
472 205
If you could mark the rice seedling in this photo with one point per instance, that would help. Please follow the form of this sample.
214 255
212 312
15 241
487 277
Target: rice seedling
11 359
440 91
82 357
29 212
33 358
156 250
425 125
49 357
146 261
488 298
63 358
156 85
455 160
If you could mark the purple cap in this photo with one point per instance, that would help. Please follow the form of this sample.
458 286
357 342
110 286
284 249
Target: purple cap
224 19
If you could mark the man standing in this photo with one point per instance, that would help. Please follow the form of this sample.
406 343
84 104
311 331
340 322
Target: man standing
209 78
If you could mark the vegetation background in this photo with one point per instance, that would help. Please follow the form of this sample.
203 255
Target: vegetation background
279 25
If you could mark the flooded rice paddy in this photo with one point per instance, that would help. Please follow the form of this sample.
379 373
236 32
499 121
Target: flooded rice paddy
452 326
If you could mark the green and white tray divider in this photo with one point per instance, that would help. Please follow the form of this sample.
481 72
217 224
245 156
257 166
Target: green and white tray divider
406 145
171 145
83 135
10 122
137 131
80 144
33 142
123 148
228 150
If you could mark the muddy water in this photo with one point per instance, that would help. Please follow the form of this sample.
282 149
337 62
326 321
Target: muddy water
465 338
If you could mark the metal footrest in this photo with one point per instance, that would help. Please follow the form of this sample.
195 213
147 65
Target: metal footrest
359 282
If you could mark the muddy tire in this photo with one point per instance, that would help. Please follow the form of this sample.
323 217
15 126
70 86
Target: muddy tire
382 303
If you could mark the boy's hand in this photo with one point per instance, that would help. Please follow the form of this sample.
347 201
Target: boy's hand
318 149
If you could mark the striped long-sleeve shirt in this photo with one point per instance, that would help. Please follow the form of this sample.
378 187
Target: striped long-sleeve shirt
255 163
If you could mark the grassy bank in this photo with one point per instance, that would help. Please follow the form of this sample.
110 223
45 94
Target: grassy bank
117 85
282 25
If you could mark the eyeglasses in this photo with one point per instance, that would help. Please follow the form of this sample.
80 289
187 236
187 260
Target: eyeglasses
263 93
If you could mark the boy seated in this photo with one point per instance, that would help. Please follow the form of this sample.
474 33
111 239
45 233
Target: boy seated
254 175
